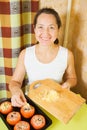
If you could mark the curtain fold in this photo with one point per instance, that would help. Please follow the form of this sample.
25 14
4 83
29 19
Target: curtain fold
16 33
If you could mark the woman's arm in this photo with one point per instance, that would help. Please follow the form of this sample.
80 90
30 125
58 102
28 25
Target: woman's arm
15 84
70 78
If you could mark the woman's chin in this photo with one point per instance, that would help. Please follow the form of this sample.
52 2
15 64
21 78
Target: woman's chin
45 43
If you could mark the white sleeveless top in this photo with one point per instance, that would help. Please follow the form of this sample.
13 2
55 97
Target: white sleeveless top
38 71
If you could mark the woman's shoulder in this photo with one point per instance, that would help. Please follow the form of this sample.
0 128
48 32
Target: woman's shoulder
63 48
63 51
68 52
22 54
66 49
27 49
31 47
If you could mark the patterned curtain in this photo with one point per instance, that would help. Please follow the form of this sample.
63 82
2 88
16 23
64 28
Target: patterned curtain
16 32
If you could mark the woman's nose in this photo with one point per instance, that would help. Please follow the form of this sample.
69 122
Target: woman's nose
46 31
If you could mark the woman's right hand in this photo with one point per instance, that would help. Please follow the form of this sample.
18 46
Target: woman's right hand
18 99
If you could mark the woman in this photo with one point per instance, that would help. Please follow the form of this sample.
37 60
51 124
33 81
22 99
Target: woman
46 59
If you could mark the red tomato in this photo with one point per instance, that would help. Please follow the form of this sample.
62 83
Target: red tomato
13 117
22 125
27 110
38 121
6 107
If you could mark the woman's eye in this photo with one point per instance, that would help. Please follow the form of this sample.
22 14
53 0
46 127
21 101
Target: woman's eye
51 27
40 27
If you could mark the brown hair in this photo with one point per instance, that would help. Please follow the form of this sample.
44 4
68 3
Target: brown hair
48 11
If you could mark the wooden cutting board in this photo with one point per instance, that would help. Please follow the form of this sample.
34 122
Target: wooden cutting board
61 103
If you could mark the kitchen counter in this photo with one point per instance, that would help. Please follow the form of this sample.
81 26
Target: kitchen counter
78 122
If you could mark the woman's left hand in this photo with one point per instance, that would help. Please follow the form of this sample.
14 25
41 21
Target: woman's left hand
66 86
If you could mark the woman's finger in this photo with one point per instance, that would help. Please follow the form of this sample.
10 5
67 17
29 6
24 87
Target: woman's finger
17 101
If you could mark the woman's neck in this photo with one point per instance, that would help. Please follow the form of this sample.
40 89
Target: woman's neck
46 54
46 49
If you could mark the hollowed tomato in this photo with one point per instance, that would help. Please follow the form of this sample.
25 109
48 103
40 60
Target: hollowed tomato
6 107
22 125
38 121
27 110
13 117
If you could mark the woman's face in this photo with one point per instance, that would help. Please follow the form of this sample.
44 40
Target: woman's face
46 30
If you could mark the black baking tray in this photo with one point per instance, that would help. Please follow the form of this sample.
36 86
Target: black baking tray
37 111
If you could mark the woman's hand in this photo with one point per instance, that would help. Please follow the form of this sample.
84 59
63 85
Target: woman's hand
18 99
66 85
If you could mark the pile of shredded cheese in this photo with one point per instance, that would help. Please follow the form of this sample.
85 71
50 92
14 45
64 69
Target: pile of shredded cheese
49 95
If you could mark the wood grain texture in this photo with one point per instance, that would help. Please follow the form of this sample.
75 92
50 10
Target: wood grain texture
64 107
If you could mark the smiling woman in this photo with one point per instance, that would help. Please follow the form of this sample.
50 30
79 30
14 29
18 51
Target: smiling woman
47 59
